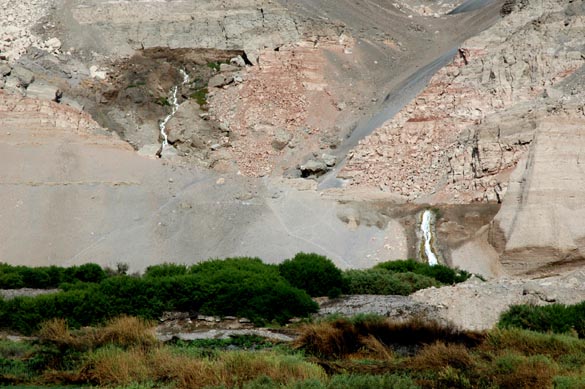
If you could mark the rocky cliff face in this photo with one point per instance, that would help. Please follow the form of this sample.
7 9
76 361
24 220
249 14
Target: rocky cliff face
539 227
464 134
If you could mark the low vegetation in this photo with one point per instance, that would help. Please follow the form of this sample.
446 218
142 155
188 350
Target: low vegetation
245 287
98 330
557 318
15 277
360 352
441 273
314 273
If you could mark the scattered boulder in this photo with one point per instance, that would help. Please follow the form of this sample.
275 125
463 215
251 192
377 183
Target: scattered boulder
220 80
12 85
150 151
53 44
24 76
94 72
224 67
313 167
238 61
44 91
174 136
281 139
169 152
330 160
5 69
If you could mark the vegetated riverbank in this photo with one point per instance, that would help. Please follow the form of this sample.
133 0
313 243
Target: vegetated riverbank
241 287
363 351
358 352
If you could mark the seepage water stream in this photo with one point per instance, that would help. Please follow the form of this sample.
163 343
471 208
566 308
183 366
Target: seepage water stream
426 227
174 108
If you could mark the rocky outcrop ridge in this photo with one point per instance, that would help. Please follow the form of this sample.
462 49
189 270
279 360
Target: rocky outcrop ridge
120 27
477 305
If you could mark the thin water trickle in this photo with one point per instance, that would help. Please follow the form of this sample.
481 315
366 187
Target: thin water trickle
426 226
174 107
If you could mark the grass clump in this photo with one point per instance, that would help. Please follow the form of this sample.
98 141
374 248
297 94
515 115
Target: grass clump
200 96
361 352
343 337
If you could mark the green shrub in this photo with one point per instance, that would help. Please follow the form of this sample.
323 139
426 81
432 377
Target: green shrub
248 287
314 273
374 281
243 287
14 277
417 281
556 318
441 273
382 282
166 270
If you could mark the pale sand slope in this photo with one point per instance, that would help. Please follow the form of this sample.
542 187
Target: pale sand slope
72 196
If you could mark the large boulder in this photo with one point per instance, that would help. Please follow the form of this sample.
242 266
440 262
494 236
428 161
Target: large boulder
24 76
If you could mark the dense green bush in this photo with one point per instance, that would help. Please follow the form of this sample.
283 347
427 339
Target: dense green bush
383 282
374 281
166 270
313 273
441 273
14 277
243 287
248 287
556 318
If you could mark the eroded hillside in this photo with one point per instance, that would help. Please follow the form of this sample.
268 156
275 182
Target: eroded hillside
299 126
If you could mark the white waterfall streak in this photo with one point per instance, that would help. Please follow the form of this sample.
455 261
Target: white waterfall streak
425 227
174 107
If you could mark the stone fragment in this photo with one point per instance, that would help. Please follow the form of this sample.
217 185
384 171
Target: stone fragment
281 139
313 167
53 44
24 76
224 67
42 90
94 72
220 80
5 69
330 160
150 151
238 61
